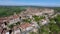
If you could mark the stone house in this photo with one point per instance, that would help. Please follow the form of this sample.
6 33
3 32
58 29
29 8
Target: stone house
16 30
44 21
13 19
27 27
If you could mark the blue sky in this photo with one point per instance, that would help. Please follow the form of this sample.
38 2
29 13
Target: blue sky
31 2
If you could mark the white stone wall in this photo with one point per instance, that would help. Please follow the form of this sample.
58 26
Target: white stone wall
7 32
14 21
17 31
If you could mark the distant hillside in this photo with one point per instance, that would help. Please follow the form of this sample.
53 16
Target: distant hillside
9 10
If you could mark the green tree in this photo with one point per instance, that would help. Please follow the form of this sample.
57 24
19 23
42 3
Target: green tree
32 33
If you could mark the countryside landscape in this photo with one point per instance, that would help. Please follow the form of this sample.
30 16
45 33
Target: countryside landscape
29 20
29 16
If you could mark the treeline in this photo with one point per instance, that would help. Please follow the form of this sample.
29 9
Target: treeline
57 9
9 10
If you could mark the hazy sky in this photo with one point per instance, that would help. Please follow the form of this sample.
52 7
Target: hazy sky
31 2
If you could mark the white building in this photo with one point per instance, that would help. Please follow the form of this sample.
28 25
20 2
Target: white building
14 19
43 22
28 27
7 32
17 31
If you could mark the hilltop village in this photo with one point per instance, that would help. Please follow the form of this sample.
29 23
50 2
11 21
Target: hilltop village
29 21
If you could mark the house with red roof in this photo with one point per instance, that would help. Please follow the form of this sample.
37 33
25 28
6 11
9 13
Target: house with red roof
27 27
13 19
16 30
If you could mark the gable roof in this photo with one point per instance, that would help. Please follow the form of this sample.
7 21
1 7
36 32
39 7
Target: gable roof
25 25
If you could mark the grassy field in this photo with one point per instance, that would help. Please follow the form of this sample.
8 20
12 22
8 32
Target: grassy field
9 10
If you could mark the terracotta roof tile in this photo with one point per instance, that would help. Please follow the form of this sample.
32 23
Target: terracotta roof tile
1 30
23 26
15 16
